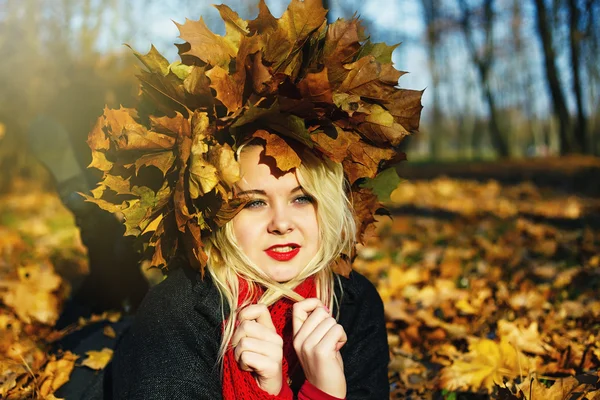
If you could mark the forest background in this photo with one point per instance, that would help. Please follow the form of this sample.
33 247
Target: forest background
504 249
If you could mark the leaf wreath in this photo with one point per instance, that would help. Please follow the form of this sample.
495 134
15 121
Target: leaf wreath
169 166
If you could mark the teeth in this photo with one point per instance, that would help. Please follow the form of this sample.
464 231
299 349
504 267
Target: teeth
282 249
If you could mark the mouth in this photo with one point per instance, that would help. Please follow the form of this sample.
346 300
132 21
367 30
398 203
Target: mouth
284 252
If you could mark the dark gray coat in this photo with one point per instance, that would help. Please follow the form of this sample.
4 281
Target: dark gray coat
171 348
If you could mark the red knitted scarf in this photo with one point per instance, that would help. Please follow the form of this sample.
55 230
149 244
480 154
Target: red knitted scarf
238 384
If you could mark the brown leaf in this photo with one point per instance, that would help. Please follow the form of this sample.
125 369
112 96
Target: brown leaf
341 44
486 364
97 359
524 339
227 165
235 27
56 373
204 44
172 126
97 139
264 22
100 162
109 332
301 18
315 86
203 177
162 160
342 266
263 81
285 157
405 106
563 388
197 83
363 160
336 149
365 205
33 296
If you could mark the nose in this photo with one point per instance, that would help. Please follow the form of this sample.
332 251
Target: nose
281 220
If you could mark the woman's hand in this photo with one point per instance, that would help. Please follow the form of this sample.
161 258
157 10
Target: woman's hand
258 348
318 339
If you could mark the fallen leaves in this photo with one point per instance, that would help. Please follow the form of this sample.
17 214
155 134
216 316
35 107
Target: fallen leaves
482 301
41 255
97 359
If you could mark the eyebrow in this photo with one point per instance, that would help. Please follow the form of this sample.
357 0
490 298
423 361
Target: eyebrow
262 192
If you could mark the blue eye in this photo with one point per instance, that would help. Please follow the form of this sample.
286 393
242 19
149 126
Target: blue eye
304 199
254 204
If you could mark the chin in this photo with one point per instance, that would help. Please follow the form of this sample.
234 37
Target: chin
283 274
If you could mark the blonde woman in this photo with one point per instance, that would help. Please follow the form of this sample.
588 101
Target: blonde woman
270 319
236 173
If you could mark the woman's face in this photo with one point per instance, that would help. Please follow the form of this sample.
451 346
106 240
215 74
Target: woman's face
278 228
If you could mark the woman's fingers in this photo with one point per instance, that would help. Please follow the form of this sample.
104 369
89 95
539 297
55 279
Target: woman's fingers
302 310
259 313
334 336
250 361
259 346
312 337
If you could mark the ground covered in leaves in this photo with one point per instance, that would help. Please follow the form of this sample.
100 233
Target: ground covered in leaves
489 291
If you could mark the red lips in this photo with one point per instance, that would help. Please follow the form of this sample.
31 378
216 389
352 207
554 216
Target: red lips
283 256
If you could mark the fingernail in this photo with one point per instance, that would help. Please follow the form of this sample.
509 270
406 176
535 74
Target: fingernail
326 309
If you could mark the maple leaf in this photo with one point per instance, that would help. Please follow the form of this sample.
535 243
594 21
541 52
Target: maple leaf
33 296
525 339
335 148
207 46
203 177
137 212
365 207
153 60
315 86
380 51
342 43
10 371
563 389
56 373
229 90
383 184
363 160
485 365
264 22
235 27
228 167
282 44
197 83
285 156
97 359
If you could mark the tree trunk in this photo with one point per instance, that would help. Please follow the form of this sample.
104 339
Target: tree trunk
559 103
581 138
483 62
430 13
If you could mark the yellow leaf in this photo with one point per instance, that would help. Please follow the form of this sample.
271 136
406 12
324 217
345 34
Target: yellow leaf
487 363
97 359
203 177
56 373
109 331
209 47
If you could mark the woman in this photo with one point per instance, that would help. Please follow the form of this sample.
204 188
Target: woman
232 173
286 237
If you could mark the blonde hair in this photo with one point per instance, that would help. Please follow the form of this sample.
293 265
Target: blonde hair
323 180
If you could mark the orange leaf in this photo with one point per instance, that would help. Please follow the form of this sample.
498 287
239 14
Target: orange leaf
285 157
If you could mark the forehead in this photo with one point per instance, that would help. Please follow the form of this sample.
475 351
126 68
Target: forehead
256 173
